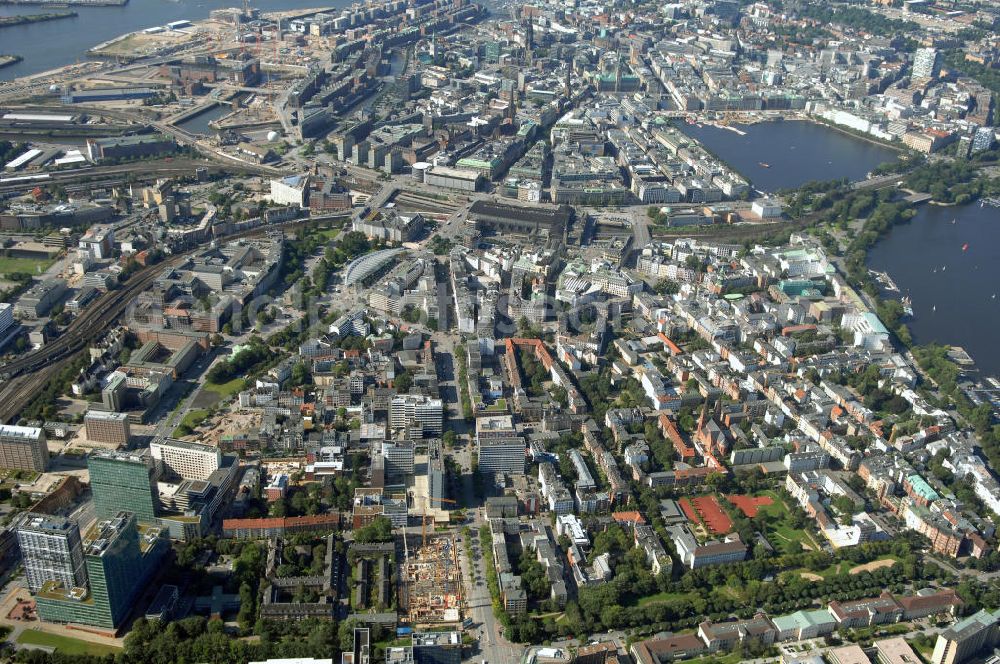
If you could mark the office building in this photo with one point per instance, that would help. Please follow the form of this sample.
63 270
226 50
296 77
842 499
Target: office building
926 63
277 488
39 300
398 456
501 449
291 190
114 391
185 459
417 413
360 653
435 472
966 638
23 448
52 550
895 651
123 481
6 317
111 428
437 648
982 140
120 556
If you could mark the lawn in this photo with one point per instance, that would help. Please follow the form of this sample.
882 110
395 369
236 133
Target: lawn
780 533
226 390
925 649
659 598
26 265
842 567
326 233
65 644
192 419
728 658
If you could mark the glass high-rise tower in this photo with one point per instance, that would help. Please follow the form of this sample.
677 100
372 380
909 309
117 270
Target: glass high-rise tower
123 481
120 556
52 551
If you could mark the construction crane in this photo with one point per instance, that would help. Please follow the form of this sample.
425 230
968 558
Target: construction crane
423 517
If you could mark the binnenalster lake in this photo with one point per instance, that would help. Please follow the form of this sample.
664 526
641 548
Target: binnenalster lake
795 152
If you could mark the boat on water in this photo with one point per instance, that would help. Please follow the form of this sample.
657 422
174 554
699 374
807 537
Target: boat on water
763 164
907 305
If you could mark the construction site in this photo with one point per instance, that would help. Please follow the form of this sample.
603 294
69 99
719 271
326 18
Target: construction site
431 584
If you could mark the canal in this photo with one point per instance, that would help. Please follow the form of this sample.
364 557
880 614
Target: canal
199 123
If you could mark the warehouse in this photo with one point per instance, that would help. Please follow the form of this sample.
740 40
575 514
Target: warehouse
106 94
453 178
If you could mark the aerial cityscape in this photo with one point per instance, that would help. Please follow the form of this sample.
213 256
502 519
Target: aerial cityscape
500 332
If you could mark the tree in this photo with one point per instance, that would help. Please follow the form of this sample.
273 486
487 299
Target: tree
300 375
346 635
411 314
279 508
666 287
403 382
354 243
379 530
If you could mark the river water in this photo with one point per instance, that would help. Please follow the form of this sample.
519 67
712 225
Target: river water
52 44
955 292
795 152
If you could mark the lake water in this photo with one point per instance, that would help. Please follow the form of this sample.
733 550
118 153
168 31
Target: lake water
955 293
53 44
796 152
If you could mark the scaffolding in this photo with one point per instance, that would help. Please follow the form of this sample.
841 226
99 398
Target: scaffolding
432 582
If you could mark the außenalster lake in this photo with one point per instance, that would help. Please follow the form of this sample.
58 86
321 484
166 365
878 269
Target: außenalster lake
795 152
955 292
54 44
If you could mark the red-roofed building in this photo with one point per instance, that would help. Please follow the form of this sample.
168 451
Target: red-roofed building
628 518
667 649
263 528
669 429
929 603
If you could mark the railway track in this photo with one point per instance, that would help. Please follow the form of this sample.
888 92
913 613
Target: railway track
25 376
22 378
